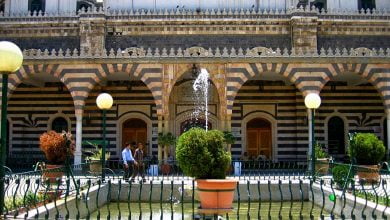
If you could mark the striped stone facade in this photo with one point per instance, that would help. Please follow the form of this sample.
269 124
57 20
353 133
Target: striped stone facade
262 64
245 89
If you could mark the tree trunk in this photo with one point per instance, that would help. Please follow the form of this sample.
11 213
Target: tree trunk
166 150
160 154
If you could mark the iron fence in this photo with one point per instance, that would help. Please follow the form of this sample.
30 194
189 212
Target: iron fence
265 190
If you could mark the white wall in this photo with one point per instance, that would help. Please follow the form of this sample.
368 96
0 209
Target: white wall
342 4
169 4
144 4
275 4
382 4
118 4
60 5
189 4
16 6
68 5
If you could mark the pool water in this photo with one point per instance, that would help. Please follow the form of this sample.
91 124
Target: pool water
175 211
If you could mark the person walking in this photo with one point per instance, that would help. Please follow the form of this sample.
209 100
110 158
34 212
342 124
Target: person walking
128 162
139 163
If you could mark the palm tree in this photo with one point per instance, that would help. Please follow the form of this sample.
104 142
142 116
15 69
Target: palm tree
164 142
229 139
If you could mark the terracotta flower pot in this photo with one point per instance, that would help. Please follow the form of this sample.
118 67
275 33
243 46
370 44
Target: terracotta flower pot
216 194
322 166
368 173
52 172
95 167
165 169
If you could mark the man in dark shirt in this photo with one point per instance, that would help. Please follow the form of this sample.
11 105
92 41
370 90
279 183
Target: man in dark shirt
139 162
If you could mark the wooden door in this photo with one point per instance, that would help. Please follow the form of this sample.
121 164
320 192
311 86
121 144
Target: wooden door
135 130
259 138
265 146
252 142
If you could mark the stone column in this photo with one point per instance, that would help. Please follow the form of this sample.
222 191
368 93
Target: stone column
160 130
388 134
228 125
304 32
79 134
166 130
92 31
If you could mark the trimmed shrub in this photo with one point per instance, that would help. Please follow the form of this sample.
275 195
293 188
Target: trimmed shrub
201 154
340 173
366 148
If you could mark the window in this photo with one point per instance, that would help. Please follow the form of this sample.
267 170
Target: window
302 3
319 4
2 6
82 5
36 5
59 124
366 4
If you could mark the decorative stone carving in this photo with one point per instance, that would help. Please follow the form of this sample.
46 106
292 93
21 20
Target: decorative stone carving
135 51
196 52
259 51
362 51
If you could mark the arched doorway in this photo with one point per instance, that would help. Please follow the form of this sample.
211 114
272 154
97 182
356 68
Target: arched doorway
192 123
259 138
336 136
135 130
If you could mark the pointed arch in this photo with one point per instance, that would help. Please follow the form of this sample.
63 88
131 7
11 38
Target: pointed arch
238 74
149 74
173 72
376 74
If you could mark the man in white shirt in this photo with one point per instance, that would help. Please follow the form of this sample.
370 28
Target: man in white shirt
128 161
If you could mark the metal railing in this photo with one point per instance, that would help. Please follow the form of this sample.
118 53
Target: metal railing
265 190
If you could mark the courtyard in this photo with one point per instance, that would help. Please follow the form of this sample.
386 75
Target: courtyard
129 108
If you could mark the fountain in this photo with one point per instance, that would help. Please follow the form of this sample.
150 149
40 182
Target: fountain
201 87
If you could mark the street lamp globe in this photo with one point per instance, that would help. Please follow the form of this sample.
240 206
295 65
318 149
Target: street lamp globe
11 58
312 101
104 101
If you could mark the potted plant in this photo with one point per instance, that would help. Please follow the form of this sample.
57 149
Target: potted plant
229 139
368 151
201 154
322 159
340 176
57 147
95 158
165 141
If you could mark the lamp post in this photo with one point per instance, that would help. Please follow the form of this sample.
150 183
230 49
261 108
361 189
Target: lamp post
104 101
312 102
11 58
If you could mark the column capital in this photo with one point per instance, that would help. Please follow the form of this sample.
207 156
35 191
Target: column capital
79 112
387 111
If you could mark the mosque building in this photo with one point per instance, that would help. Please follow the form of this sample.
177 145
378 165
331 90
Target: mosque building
263 58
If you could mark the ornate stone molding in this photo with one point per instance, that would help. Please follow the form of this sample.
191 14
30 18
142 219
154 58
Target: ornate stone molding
257 52
218 13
